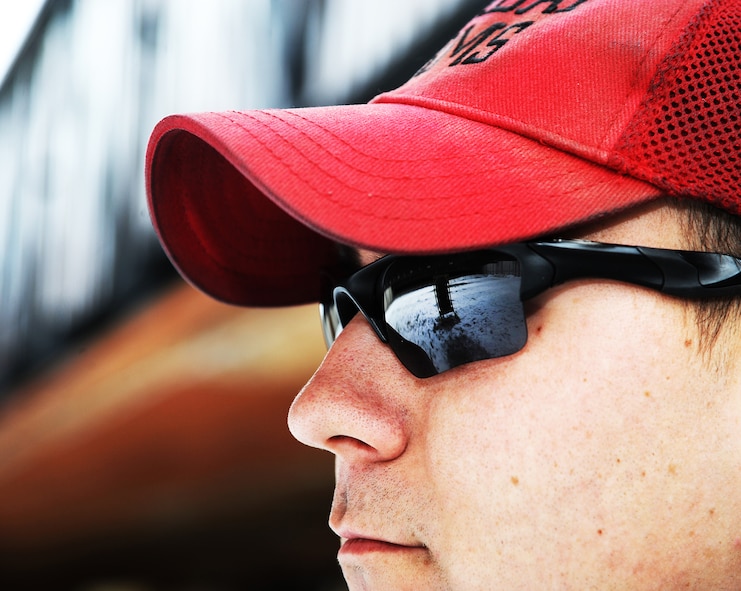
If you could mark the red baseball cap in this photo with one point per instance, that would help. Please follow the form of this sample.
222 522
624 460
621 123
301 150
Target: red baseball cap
539 115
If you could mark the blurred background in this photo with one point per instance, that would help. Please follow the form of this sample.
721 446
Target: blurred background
143 438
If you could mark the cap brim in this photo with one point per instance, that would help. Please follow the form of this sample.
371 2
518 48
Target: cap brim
249 204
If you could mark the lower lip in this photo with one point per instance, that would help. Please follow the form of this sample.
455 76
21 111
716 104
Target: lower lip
360 546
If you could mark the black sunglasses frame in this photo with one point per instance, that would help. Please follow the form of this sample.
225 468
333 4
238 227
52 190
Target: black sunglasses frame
545 264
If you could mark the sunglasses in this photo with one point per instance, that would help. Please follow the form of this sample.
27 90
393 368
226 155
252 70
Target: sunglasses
439 312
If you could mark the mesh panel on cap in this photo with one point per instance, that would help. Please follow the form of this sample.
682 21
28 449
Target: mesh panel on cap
686 137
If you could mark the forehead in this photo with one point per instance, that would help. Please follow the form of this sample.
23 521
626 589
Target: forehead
366 257
359 257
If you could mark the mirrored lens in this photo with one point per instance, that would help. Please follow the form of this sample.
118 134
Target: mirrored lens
449 316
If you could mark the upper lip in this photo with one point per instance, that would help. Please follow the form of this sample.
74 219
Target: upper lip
351 524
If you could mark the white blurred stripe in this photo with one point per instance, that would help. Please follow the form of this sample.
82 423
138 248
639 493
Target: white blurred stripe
358 39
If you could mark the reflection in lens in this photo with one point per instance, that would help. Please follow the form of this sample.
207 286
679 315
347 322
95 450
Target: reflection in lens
331 324
461 319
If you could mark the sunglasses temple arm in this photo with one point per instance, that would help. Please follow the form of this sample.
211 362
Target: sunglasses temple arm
569 261
696 274
674 272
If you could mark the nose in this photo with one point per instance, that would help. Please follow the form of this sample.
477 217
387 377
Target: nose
357 403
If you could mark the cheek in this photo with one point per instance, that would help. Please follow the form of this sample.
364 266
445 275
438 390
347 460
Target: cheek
576 451
560 402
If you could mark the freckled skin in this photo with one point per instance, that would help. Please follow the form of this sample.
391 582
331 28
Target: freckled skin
605 455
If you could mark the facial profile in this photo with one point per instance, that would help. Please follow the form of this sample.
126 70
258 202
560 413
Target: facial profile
566 465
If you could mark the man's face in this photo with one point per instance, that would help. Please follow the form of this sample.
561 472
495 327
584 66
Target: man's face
605 455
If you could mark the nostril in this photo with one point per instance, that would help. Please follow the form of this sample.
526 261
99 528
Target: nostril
341 440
